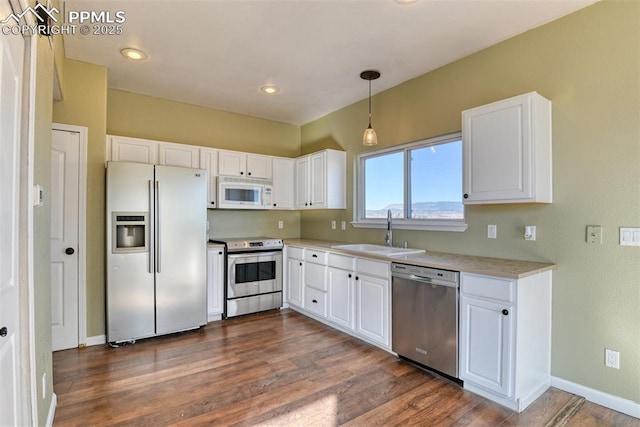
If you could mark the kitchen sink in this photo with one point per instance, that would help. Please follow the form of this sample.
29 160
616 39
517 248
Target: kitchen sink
378 249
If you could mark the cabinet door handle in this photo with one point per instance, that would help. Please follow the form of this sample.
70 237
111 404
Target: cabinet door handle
274 205
213 203
466 196
300 263
219 253
357 278
349 275
505 312
249 173
241 173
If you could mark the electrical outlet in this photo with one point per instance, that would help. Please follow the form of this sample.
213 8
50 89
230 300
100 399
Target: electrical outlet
492 231
333 225
280 224
530 232
343 225
594 234
611 358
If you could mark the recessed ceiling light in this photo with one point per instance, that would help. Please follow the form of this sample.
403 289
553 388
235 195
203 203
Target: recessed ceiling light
270 89
133 54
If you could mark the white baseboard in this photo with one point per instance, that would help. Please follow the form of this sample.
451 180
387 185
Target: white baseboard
607 400
96 340
52 410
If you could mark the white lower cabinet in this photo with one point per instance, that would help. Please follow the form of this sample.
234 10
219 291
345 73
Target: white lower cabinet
349 293
505 337
215 282
294 275
487 337
373 308
341 307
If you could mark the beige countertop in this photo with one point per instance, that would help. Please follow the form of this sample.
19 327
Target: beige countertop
499 267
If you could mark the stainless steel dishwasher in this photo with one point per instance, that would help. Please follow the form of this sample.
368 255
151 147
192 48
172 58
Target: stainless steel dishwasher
425 316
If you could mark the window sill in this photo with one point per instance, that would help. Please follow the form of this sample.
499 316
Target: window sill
407 224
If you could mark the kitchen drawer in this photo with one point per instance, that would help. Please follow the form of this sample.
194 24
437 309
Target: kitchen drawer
315 276
294 252
317 257
344 262
315 301
494 288
372 268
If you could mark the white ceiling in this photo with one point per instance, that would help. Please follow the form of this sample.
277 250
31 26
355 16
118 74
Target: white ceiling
218 53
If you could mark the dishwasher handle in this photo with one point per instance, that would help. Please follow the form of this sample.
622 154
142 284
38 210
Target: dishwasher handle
427 280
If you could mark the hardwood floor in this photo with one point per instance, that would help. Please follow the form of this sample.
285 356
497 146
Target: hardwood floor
278 369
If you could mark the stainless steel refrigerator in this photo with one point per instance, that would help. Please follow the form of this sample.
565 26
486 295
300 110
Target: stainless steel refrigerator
156 250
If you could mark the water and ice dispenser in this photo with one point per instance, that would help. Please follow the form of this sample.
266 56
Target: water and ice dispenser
129 234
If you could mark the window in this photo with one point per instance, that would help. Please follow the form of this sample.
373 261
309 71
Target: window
420 182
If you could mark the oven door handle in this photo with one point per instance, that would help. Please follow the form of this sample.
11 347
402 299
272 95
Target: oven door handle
258 254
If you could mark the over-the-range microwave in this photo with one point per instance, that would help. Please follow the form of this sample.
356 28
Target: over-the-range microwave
244 193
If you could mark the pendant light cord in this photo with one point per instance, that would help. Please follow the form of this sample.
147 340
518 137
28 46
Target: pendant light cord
369 103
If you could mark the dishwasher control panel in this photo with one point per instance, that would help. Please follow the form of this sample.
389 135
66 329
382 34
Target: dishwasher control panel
433 273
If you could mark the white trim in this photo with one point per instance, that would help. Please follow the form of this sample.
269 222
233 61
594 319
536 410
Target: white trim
52 410
96 340
82 225
33 383
601 398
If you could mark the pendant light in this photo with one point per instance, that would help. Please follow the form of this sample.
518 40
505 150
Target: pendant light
370 137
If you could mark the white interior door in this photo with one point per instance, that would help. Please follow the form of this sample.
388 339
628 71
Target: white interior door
11 68
65 155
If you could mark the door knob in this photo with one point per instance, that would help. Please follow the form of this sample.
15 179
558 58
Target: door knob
69 251
3 331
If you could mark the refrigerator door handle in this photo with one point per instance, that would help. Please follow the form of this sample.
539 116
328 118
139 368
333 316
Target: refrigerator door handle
150 228
157 228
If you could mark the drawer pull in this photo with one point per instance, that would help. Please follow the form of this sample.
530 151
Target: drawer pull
314 301
314 256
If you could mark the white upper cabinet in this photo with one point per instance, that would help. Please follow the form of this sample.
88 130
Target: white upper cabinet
507 151
320 180
124 149
209 162
186 156
236 163
282 197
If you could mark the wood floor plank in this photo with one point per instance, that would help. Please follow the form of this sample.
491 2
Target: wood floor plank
276 369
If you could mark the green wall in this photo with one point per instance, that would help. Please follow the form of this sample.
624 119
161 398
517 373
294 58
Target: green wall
85 104
588 64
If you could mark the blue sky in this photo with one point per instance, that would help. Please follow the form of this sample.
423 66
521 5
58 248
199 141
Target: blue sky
436 174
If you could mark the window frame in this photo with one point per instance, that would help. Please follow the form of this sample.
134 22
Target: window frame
359 220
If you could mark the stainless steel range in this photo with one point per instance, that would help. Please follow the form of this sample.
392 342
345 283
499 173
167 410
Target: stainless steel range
254 275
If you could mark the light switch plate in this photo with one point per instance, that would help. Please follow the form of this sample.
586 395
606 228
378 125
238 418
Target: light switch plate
492 231
280 224
630 236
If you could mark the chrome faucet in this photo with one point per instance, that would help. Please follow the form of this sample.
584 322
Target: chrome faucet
388 238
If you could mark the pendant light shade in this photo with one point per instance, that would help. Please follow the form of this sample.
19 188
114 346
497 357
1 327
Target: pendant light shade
370 137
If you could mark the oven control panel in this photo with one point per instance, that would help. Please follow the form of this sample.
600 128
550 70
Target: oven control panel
254 245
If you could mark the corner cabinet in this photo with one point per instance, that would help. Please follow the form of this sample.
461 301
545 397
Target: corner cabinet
507 151
215 282
320 180
505 337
